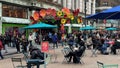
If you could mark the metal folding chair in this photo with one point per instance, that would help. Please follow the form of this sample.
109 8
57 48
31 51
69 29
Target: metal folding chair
65 51
27 59
17 60
102 65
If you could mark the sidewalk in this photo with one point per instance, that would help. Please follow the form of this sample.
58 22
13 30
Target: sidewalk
13 50
89 62
10 51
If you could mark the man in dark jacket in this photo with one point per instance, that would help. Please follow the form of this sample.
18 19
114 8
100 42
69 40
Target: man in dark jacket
36 58
36 53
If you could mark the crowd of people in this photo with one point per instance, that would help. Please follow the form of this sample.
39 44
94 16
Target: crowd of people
96 40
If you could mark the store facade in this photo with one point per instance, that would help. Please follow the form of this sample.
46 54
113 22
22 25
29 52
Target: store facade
15 14
13 18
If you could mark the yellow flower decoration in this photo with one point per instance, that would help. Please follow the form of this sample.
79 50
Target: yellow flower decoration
71 16
63 21
59 13
79 20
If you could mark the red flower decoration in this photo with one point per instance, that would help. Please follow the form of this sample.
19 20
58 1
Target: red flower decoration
65 16
34 22
36 16
53 12
31 18
49 11
76 12
66 11
62 28
43 13
68 21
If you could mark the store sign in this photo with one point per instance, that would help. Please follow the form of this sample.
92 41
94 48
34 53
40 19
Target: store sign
15 20
45 47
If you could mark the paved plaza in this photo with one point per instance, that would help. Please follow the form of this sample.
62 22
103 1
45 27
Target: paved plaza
89 62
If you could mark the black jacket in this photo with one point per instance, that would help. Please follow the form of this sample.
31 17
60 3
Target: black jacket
37 54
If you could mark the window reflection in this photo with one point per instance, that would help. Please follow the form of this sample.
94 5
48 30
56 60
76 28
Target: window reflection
14 11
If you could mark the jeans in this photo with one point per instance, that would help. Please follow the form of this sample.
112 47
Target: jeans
1 55
55 43
35 62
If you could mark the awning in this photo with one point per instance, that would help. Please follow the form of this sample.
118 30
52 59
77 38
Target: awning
15 20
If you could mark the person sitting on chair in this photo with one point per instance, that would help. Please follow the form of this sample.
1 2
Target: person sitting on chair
35 53
76 54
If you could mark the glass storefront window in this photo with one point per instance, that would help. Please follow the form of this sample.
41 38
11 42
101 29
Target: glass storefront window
14 11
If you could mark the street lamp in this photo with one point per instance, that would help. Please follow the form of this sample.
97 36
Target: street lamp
85 12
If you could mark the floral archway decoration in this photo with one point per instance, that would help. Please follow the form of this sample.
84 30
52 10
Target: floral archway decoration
64 15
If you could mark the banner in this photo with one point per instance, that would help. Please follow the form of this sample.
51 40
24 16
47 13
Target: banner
45 47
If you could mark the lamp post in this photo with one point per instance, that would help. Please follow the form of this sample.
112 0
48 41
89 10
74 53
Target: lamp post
85 12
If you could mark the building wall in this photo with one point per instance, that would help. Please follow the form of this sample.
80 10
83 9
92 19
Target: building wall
11 22
0 17
6 22
80 4
100 7
100 4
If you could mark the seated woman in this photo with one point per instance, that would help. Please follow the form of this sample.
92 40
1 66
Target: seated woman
76 54
115 46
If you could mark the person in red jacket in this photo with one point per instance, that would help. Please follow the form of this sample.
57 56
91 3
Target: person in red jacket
1 46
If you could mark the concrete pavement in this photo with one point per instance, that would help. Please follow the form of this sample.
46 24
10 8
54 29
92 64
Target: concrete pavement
89 62
10 51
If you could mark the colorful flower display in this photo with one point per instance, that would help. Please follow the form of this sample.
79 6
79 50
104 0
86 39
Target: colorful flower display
64 16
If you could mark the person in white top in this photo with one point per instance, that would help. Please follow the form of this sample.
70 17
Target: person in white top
30 39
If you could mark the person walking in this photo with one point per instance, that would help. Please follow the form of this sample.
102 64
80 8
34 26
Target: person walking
17 43
55 40
24 43
1 46
30 39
